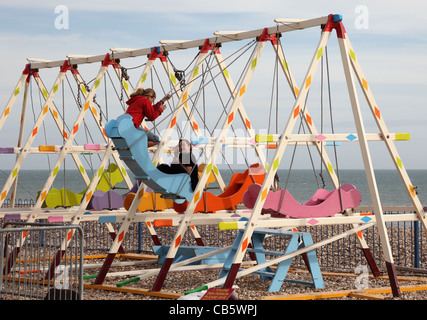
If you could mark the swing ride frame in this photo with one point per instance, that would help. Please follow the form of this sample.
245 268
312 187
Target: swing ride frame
189 219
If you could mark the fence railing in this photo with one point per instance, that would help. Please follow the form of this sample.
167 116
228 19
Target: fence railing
29 264
19 203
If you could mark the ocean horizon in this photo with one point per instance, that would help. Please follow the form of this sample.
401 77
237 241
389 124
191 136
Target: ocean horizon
301 183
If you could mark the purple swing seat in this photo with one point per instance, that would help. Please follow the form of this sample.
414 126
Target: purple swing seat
323 203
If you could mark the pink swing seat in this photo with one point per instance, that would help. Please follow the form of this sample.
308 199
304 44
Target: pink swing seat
323 203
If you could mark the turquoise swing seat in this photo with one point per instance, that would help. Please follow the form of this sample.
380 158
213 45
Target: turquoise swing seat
132 147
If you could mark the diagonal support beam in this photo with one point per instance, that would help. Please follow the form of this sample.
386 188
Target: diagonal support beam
268 181
305 115
59 123
242 112
33 133
364 148
141 189
389 137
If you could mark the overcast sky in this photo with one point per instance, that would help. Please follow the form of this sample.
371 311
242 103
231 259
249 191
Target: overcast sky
390 41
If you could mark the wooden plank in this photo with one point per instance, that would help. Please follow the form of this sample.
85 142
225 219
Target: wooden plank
411 278
310 295
363 295
420 287
354 275
409 269
342 293
141 291
138 256
187 44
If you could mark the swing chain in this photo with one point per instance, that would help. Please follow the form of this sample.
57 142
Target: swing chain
100 113
125 73
124 77
276 183
323 180
79 90
180 76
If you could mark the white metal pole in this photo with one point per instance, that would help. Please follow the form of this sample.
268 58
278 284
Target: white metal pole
268 181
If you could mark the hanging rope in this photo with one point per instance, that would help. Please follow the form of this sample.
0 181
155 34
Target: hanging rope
224 111
321 123
200 93
301 127
332 126
195 97
119 96
190 98
180 74
86 128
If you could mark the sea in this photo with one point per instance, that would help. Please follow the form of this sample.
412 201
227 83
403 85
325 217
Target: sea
299 182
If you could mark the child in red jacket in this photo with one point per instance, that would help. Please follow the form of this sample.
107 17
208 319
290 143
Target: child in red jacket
141 105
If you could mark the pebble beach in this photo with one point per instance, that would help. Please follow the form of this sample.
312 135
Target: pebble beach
338 284
251 287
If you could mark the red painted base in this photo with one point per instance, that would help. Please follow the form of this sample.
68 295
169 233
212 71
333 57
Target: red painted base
56 262
156 240
104 269
199 242
11 260
394 283
232 273
162 274
371 262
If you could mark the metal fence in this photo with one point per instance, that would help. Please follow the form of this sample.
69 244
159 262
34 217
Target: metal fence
19 203
34 267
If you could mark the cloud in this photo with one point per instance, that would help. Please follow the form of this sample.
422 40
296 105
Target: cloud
391 50
186 6
384 16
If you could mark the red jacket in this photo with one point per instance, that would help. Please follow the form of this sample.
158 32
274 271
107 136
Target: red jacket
140 107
